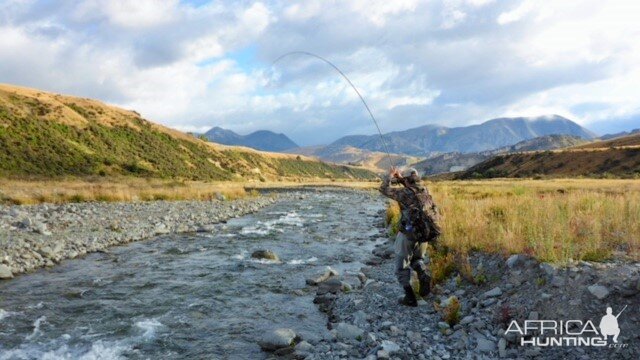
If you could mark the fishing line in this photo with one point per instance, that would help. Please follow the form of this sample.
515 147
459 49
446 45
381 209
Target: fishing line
384 144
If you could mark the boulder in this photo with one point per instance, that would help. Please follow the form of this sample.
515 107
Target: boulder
277 339
467 320
41 228
265 254
548 269
161 229
389 346
25 223
598 291
514 260
322 277
346 331
52 251
496 291
484 344
304 346
502 347
5 272
333 286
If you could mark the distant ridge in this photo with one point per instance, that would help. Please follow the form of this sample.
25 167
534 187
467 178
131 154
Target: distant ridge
455 161
618 157
259 140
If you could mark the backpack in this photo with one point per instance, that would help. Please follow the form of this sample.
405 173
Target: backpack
415 219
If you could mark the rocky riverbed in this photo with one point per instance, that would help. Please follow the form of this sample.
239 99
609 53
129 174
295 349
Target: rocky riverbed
42 235
365 320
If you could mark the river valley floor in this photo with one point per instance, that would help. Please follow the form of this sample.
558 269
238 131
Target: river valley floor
195 291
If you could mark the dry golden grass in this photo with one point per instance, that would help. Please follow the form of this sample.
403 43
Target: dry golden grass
23 192
553 220
126 189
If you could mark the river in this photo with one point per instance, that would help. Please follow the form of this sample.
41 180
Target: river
195 295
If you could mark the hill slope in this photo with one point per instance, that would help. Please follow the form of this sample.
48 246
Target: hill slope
619 157
259 140
374 160
492 134
44 135
452 162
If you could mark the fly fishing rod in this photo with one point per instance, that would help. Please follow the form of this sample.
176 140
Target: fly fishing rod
384 144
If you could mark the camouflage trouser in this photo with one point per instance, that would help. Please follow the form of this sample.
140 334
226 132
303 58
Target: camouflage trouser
409 255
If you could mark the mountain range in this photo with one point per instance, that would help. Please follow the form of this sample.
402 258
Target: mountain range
429 139
260 140
452 148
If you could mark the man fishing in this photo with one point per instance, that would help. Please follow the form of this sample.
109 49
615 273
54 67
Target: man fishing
419 213
418 227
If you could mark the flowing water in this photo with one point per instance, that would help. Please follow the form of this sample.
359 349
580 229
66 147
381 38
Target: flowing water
190 295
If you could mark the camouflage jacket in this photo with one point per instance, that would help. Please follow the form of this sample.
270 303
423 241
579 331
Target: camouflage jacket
403 196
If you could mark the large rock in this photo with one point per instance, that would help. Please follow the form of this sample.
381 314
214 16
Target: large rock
346 331
502 347
484 344
277 339
599 291
161 229
467 320
265 254
52 251
41 228
514 260
493 292
385 252
548 269
5 272
333 286
389 346
26 223
322 277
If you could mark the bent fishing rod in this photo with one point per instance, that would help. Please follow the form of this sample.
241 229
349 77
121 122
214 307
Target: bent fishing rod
384 144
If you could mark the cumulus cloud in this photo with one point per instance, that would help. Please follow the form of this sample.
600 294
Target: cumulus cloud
453 62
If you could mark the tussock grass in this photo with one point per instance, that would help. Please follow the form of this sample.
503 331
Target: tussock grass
392 218
553 220
126 189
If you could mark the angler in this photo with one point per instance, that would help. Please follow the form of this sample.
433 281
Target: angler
418 228
419 212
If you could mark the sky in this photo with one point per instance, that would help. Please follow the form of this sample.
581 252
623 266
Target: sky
192 65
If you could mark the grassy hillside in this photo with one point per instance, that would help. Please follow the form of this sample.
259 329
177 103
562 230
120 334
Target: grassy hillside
453 162
373 160
618 157
630 141
49 135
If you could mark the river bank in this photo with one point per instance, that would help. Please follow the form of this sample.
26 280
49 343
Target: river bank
367 322
42 235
